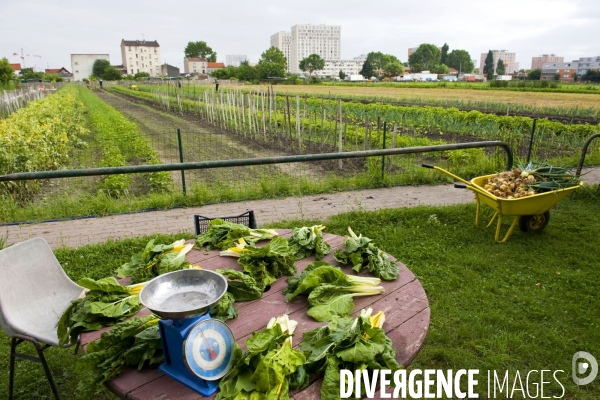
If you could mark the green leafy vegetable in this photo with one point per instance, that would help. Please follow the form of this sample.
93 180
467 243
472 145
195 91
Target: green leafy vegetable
359 344
329 290
269 368
264 264
155 260
307 241
135 342
223 234
105 303
360 252
225 309
242 286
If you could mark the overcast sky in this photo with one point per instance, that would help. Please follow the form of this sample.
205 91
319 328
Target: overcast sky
55 30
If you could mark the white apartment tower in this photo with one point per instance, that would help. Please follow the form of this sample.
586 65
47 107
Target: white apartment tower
281 40
141 56
507 57
308 39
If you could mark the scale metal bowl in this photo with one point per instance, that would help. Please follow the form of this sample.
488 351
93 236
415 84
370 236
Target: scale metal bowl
183 294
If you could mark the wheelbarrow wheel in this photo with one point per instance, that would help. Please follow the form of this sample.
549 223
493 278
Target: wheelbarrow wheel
534 223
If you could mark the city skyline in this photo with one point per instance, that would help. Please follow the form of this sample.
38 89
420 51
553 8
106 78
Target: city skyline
246 28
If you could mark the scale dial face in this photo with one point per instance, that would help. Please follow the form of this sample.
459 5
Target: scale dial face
208 349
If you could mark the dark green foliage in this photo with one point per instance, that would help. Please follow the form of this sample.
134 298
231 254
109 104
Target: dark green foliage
500 68
6 72
135 342
367 69
272 64
312 63
200 49
99 66
225 309
268 370
488 67
534 74
362 253
306 241
224 234
444 56
346 344
427 55
461 61
111 74
242 286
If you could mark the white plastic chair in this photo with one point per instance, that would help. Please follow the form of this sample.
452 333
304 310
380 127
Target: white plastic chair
34 292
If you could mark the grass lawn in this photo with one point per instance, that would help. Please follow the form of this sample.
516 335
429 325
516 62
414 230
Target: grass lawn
528 304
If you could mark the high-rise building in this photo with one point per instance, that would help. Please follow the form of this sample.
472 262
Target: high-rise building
307 39
281 40
507 57
234 60
536 62
141 56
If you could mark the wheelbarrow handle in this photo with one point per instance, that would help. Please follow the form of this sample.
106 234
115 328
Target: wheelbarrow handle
460 185
427 166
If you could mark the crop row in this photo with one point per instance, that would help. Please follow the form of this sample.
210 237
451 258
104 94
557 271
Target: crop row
121 144
40 137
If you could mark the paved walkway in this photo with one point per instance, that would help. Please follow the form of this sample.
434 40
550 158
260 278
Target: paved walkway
79 232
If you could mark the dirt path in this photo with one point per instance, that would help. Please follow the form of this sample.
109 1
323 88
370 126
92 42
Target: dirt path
200 142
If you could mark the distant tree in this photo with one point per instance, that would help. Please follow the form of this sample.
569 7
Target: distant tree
53 78
367 69
501 68
272 63
460 60
534 74
440 69
312 63
392 69
414 68
445 48
591 76
342 75
112 74
225 73
246 72
99 67
200 49
427 55
7 74
489 63
29 73
575 77
141 75
557 77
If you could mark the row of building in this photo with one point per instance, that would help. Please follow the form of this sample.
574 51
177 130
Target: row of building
139 56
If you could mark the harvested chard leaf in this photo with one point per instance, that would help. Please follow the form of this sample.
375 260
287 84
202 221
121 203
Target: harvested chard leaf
155 260
360 252
307 241
225 309
135 342
329 290
241 285
359 344
269 368
223 234
264 264
105 303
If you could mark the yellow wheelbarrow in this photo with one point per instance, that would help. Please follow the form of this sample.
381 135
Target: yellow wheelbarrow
531 212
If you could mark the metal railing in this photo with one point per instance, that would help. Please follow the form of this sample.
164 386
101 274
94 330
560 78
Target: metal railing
135 169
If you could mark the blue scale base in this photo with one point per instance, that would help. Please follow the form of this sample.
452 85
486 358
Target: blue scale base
173 334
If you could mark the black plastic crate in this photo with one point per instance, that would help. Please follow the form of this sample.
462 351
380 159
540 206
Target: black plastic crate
247 219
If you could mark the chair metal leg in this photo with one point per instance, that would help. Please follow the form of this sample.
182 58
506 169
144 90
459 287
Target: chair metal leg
15 341
13 347
40 351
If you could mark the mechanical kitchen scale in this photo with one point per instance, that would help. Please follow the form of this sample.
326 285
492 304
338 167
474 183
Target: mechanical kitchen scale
198 350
